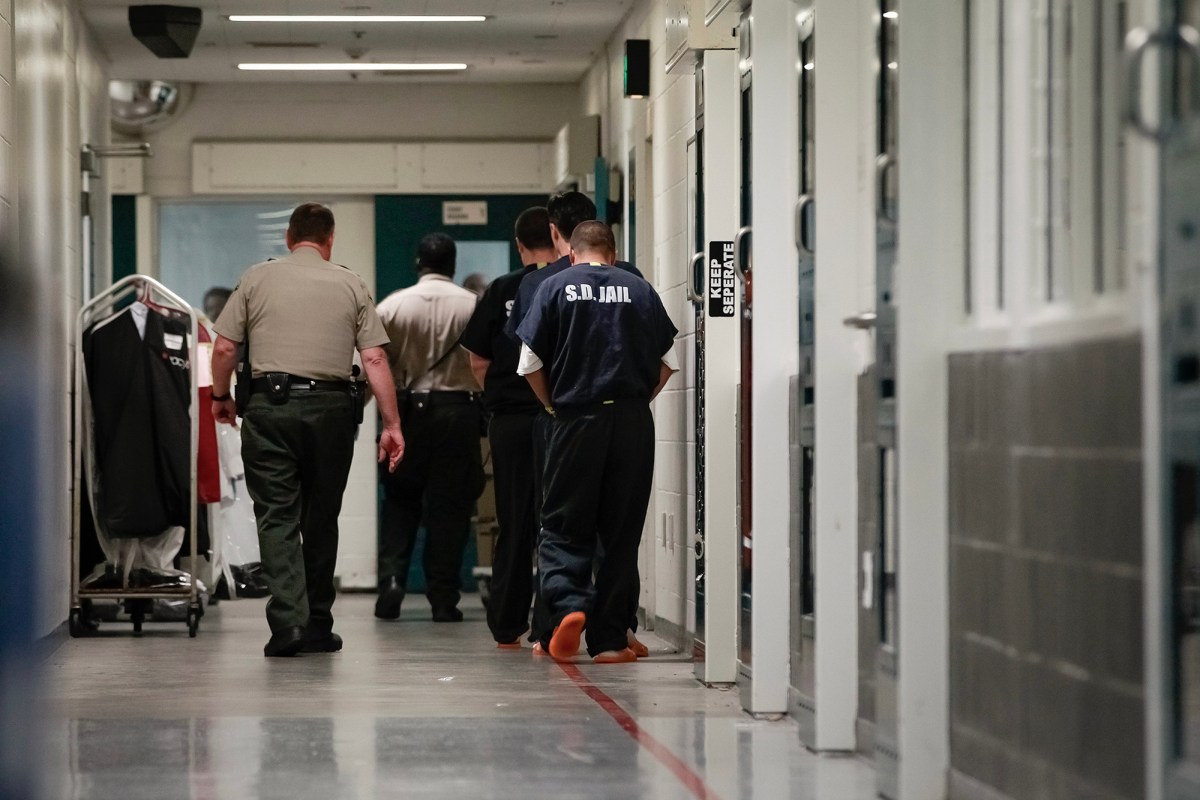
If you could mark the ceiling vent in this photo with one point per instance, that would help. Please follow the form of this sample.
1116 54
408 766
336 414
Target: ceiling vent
284 45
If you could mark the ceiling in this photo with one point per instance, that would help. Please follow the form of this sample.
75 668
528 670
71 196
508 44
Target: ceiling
544 41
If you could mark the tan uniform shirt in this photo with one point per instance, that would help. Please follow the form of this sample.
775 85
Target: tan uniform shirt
302 315
425 322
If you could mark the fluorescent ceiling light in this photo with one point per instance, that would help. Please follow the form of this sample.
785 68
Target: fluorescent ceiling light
355 18
891 14
354 66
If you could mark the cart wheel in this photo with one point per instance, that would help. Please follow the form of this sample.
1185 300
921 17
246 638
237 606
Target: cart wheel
75 623
193 620
138 614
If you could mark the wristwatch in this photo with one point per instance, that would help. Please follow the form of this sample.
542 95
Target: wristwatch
220 398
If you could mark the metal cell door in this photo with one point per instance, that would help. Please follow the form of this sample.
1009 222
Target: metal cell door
696 294
1177 46
743 267
802 433
887 754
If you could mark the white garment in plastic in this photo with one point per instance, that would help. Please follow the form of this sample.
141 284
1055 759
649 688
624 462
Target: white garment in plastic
233 521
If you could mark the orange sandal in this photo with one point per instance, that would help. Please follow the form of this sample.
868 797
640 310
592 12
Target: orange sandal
626 656
564 644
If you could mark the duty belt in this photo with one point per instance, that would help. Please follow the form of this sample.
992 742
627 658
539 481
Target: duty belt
297 383
423 400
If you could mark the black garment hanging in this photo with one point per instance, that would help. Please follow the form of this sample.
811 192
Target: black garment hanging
140 388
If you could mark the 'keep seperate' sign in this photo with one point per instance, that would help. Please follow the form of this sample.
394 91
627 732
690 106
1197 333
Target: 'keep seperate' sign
722 283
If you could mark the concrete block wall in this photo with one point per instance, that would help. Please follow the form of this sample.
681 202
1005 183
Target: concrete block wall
53 98
1046 571
657 130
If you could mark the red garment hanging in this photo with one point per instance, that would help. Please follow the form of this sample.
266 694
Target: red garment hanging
208 471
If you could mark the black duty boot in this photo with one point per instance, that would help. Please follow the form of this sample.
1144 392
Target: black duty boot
285 642
391 595
322 642
447 614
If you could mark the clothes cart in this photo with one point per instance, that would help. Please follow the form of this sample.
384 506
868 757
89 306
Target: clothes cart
133 287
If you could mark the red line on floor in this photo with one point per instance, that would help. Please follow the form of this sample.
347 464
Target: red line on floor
686 775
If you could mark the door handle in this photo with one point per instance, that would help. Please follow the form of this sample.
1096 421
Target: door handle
737 252
863 322
884 163
804 202
1137 43
697 297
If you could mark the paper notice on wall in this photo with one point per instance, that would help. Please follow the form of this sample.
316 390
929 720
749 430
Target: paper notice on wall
460 212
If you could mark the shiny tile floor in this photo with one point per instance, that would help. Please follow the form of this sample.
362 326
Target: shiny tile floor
409 709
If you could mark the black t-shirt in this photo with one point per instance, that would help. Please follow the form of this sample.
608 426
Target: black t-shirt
600 332
529 288
504 391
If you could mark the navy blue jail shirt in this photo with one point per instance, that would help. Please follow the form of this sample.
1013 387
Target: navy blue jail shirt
529 288
601 333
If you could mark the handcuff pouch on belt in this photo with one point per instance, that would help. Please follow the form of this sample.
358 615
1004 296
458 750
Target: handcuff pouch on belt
279 387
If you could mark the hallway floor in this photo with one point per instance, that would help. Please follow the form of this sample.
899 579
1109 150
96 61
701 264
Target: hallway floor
409 709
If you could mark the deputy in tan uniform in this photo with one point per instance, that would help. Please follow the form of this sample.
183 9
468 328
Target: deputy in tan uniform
301 319
441 476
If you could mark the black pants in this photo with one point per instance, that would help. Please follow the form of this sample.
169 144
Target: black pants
541 627
517 509
297 460
436 484
599 471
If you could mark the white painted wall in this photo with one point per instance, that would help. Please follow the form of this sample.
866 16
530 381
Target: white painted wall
775 345
931 241
844 219
626 124
53 97
355 247
351 112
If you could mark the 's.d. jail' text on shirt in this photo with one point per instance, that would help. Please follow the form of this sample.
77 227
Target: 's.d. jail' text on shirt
606 294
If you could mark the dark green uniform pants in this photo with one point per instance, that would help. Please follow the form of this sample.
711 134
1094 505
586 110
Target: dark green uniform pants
297 459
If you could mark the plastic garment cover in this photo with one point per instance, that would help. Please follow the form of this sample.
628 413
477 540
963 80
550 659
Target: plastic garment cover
235 531
137 369
122 555
143 564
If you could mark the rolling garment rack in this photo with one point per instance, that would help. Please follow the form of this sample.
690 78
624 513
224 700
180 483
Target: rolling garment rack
138 287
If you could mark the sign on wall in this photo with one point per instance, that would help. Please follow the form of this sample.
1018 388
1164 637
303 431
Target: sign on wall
464 212
722 282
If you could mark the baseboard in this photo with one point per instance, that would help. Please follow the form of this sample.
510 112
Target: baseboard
46 646
673 634
964 787
864 738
